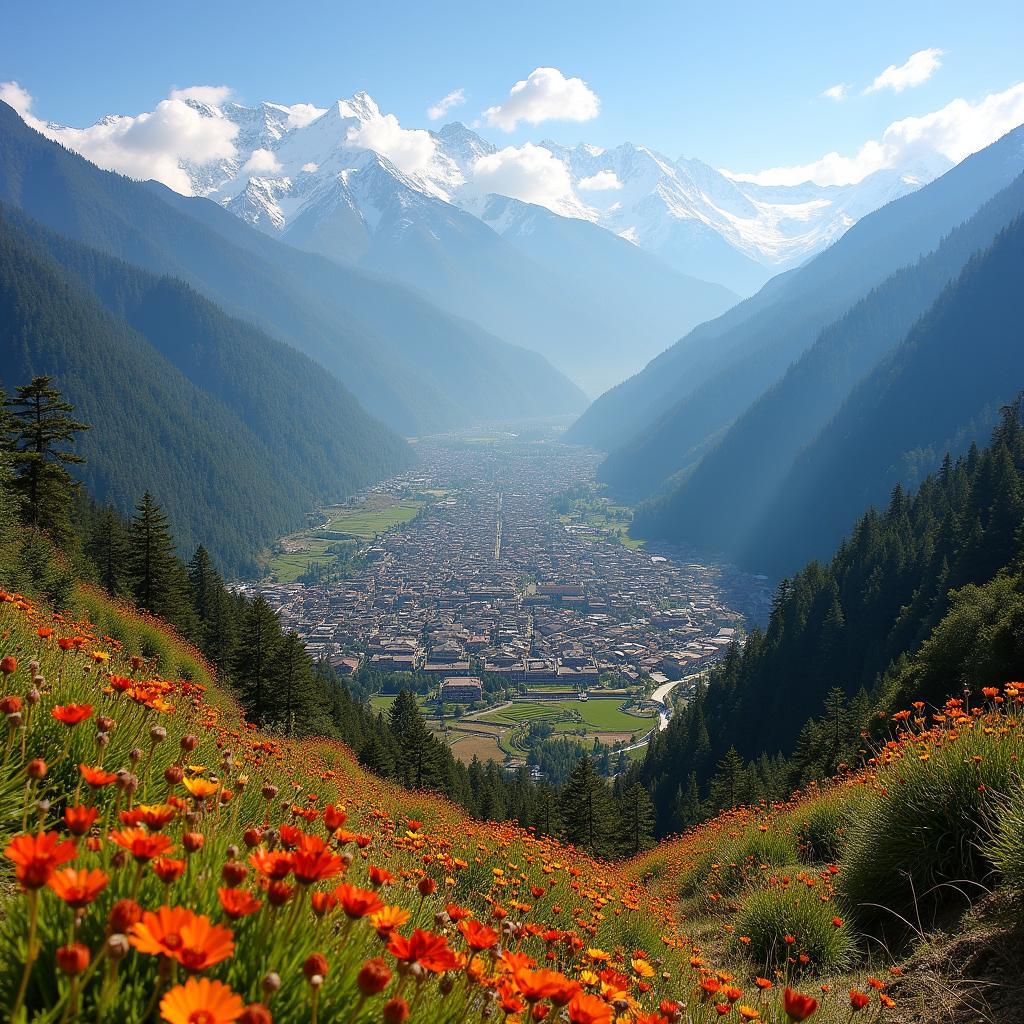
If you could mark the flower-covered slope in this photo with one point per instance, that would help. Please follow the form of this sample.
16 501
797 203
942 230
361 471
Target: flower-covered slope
166 861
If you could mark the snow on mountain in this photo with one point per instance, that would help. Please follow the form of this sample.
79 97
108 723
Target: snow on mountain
342 165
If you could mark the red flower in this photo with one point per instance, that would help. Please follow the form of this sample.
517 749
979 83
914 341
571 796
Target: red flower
274 864
357 902
72 714
37 857
73 959
141 844
858 1000
97 777
79 819
78 887
478 936
168 870
373 977
798 1007
238 903
314 866
430 951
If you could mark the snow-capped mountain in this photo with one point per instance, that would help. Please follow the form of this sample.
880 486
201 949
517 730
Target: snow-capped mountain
340 166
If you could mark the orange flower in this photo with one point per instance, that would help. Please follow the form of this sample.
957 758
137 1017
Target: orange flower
314 866
201 1001
189 938
358 902
153 816
168 870
79 819
798 1007
275 864
142 845
584 1009
97 777
858 999
78 887
478 936
430 951
238 903
72 714
37 857
389 918
201 788
544 984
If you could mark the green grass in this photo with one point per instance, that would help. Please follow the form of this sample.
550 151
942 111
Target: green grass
367 523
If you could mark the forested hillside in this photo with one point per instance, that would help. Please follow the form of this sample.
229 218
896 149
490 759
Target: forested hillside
720 502
414 367
666 414
845 638
206 440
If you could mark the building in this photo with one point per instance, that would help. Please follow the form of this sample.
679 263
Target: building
461 690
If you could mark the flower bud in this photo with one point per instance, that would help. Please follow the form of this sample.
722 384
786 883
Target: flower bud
256 1013
396 1011
118 946
36 769
174 774
135 755
193 841
157 734
373 977
73 959
234 873
269 791
315 966
104 723
271 982
189 743
32 697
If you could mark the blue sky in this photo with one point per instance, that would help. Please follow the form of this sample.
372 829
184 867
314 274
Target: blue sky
738 85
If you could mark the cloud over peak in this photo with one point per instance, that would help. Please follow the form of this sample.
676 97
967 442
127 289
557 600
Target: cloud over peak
917 69
545 95
454 99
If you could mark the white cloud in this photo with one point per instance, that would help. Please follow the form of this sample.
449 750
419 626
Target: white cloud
836 92
311 168
410 150
151 145
918 68
301 114
546 95
211 95
13 95
260 161
454 99
955 131
528 172
600 182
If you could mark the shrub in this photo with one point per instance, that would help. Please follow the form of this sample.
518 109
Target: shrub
934 811
1006 847
772 914
822 826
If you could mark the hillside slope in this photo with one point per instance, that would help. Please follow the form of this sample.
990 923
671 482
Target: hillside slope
191 427
416 368
710 376
719 503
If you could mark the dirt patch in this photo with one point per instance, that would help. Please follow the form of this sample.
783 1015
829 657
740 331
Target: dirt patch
973 974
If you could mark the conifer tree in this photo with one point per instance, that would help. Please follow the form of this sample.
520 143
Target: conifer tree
587 811
416 765
726 786
298 708
253 661
637 820
214 610
152 562
40 431
107 547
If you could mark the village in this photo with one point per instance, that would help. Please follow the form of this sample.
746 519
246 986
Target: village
503 598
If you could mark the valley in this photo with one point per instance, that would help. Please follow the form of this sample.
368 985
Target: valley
497 562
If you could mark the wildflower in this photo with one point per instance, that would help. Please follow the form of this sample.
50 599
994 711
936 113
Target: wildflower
37 857
168 870
430 951
274 864
78 887
142 845
858 1000
256 1013
72 714
97 777
315 966
478 936
153 816
395 1011
357 902
9 665
763 984
373 976
748 1012
79 819
798 1007
73 959
312 867
238 903
123 914
201 1001
189 938
380 876
201 788
586 1009
388 919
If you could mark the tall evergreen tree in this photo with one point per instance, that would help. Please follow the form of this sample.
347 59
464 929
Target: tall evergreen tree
298 707
152 562
41 430
417 760
637 820
588 815
253 661
213 605
107 546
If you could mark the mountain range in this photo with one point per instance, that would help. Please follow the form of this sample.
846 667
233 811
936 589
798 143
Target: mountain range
600 274
716 423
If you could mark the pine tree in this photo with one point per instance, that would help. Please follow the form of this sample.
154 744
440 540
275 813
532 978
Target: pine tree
40 429
253 661
107 548
298 708
637 820
587 811
152 565
417 755
214 610
727 784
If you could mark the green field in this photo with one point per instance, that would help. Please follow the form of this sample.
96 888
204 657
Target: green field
599 715
601 514
344 525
